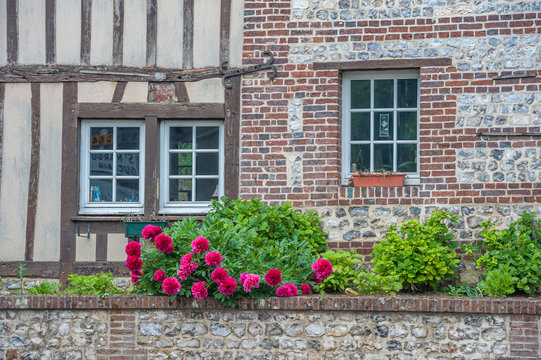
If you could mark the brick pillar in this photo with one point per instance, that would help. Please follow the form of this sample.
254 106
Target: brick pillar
122 337
524 337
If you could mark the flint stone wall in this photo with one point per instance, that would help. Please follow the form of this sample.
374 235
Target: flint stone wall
312 327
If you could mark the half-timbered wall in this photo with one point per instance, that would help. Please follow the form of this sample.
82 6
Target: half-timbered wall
66 60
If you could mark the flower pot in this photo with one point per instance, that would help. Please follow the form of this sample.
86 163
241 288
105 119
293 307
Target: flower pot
382 180
134 228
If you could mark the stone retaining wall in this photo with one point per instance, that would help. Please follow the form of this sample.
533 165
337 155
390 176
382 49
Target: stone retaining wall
313 327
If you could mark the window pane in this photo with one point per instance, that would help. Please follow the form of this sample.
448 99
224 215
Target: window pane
406 157
101 190
127 164
383 126
127 138
360 126
407 126
180 164
383 157
101 138
206 189
101 164
127 190
207 137
206 163
360 94
180 189
383 93
180 138
360 157
406 93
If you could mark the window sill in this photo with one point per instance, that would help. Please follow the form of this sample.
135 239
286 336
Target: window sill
409 180
114 218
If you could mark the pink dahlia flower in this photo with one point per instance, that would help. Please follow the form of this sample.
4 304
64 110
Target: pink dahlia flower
149 232
164 243
199 291
200 245
219 275
133 249
273 277
306 290
159 275
171 286
227 286
133 263
287 290
249 281
213 258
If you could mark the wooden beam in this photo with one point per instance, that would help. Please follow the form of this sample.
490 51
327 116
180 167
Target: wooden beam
62 73
119 91
50 31
34 173
86 28
40 269
181 92
383 64
118 31
225 30
69 179
101 247
159 110
152 32
12 9
91 268
152 159
187 41
232 139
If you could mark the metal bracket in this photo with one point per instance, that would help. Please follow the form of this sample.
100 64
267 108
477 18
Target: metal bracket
88 231
228 74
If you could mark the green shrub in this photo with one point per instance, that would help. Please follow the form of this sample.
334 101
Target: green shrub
515 250
465 290
99 284
344 271
370 283
421 255
499 282
273 223
45 288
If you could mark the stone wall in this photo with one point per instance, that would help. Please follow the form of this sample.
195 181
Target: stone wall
331 327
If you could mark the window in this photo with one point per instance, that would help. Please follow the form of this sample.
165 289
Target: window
380 123
192 160
112 167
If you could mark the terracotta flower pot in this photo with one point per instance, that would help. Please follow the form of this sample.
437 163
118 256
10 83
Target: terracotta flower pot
382 180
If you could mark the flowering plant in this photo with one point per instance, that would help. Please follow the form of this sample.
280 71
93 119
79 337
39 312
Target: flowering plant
223 260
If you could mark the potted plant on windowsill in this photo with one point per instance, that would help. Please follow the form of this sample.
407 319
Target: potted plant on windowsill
134 224
381 178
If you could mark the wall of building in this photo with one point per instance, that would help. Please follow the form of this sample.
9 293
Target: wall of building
291 127
140 327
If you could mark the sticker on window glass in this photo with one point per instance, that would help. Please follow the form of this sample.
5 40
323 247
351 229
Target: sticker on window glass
384 125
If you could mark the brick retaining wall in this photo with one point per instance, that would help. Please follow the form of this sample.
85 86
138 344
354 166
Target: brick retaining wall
308 327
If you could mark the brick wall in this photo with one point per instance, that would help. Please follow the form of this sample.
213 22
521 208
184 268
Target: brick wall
291 127
312 327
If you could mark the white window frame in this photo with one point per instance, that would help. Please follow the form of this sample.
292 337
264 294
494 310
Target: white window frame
411 178
117 208
187 207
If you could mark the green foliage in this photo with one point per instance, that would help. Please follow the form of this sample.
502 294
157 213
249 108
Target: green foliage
21 267
370 283
45 288
499 282
344 271
465 290
99 284
516 250
421 255
273 223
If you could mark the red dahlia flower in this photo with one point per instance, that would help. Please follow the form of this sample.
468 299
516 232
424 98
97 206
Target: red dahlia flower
135 277
219 275
287 290
171 286
164 243
199 291
227 286
133 249
149 232
273 277
306 289
200 245
133 263
159 275
249 281
213 258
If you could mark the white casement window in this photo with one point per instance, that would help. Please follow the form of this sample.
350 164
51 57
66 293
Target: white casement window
380 122
112 167
192 166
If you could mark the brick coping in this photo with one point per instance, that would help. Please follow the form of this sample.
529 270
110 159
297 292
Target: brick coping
429 304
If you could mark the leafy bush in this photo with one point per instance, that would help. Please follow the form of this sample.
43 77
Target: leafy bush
273 223
465 290
344 271
45 288
499 282
421 255
370 283
99 284
515 250
245 242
